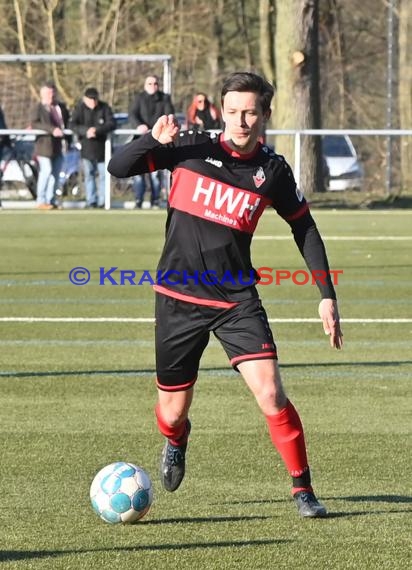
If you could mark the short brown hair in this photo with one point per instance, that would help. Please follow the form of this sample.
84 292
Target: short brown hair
246 81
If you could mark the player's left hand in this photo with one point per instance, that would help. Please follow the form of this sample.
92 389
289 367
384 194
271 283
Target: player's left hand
328 312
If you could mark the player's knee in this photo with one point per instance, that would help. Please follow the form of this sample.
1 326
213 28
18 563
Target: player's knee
173 417
271 398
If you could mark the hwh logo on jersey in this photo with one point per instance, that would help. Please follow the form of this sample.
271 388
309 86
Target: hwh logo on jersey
215 201
230 200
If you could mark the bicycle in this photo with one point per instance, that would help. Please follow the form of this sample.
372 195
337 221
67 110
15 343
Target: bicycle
28 169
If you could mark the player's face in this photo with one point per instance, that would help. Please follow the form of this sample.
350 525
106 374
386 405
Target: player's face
244 120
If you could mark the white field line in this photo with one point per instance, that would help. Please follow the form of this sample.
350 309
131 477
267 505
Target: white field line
151 320
341 238
162 212
360 212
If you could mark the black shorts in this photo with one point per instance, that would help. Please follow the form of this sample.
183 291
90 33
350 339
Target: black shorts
183 330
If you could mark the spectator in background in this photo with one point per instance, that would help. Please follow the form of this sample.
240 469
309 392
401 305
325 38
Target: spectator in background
202 114
146 108
92 121
52 116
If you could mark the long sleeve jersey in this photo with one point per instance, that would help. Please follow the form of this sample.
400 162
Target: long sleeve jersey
216 199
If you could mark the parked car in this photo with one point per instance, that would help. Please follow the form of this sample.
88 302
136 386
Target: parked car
345 170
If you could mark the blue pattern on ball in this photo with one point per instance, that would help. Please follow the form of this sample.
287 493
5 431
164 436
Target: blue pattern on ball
116 495
126 472
111 517
140 500
111 483
120 502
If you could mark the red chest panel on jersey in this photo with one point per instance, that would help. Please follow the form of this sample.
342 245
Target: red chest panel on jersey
215 201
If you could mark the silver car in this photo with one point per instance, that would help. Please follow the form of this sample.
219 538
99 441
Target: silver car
345 171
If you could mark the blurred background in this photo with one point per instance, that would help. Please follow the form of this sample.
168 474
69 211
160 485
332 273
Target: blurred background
336 65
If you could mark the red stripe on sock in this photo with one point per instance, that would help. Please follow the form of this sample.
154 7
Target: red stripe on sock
177 435
297 489
286 432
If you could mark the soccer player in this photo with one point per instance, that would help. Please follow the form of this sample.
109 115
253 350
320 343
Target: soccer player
206 282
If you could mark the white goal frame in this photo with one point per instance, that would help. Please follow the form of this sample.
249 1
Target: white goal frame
165 59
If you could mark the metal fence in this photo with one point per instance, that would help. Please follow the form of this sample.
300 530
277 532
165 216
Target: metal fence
297 134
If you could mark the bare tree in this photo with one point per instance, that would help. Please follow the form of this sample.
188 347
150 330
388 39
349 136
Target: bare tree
333 62
208 39
22 40
216 54
297 75
243 27
405 90
267 21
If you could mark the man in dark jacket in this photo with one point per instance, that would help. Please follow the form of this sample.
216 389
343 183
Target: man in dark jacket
51 116
147 107
92 121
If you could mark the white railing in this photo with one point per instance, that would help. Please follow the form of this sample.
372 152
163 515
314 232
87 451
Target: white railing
296 133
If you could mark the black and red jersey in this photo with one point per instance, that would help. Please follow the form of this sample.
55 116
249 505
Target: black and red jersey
216 199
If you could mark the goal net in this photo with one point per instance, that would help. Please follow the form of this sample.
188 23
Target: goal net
116 77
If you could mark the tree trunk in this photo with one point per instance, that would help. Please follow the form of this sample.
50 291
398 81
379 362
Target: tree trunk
217 42
297 69
405 91
267 35
244 32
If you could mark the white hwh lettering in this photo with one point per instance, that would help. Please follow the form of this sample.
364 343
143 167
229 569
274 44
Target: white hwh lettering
208 192
221 196
252 210
227 197
247 206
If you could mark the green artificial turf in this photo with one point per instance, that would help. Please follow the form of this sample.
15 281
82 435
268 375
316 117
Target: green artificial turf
76 396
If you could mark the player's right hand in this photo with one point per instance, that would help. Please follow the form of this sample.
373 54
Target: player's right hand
328 312
165 129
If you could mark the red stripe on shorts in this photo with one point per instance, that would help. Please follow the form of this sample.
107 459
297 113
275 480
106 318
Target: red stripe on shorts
195 300
184 386
257 356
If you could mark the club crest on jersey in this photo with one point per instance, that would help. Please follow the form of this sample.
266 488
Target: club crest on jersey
259 177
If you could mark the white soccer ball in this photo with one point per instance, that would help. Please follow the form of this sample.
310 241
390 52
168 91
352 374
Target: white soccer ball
121 493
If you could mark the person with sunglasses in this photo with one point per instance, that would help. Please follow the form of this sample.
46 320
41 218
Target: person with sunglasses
146 108
202 114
